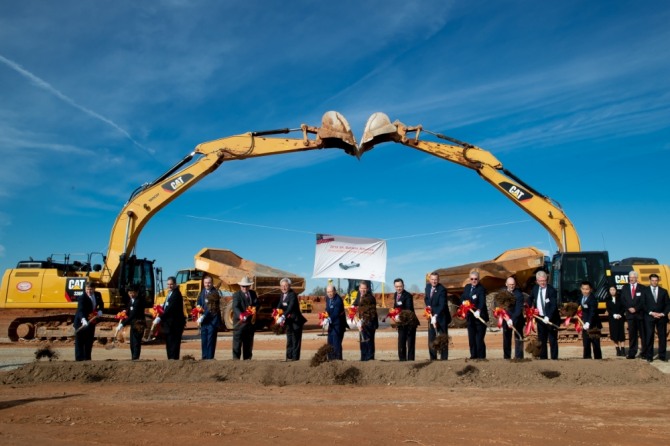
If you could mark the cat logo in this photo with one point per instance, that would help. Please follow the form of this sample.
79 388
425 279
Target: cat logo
621 279
74 288
175 183
516 191
76 284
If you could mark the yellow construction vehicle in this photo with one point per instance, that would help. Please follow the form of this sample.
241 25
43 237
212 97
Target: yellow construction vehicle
569 266
39 297
226 269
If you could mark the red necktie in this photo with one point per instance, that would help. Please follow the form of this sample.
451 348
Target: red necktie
632 291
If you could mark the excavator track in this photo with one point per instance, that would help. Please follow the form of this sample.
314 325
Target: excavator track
54 326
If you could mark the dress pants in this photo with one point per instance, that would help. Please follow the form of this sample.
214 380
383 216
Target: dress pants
547 332
367 337
591 344
636 329
243 341
335 341
293 342
659 326
135 342
406 342
83 343
208 334
173 343
508 335
476 334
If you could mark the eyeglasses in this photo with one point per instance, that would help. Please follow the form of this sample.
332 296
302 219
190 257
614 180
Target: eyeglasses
473 279
245 286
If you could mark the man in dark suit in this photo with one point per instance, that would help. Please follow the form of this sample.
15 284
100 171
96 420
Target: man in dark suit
591 320
173 319
135 320
407 332
516 320
436 298
367 310
544 298
244 326
337 322
475 293
631 297
89 307
288 302
656 309
209 300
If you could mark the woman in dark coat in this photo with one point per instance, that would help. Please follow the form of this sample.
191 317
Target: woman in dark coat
615 312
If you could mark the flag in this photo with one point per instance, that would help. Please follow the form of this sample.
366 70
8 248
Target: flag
343 257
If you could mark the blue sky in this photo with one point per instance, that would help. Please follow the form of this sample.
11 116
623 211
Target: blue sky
97 98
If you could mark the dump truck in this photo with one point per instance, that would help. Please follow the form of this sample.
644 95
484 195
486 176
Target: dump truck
226 269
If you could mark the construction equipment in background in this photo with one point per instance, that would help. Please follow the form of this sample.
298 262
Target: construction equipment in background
522 263
39 298
226 269
569 266
644 266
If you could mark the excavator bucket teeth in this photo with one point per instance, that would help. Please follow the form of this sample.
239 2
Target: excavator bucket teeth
335 132
378 129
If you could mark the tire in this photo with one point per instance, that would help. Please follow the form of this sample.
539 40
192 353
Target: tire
227 313
491 306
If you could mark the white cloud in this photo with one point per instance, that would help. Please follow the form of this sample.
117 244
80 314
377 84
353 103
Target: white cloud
37 81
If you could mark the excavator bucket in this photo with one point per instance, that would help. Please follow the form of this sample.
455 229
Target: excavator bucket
378 129
335 132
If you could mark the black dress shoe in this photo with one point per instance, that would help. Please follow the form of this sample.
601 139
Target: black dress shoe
630 357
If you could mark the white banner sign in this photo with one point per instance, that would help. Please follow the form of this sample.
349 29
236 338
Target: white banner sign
342 257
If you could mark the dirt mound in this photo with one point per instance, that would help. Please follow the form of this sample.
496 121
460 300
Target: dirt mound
478 374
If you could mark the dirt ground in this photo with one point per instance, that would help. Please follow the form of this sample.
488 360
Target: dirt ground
112 400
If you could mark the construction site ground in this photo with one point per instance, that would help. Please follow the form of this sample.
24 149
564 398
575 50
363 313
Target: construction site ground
112 400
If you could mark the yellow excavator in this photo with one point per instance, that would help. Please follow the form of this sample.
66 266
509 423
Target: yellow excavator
38 298
569 266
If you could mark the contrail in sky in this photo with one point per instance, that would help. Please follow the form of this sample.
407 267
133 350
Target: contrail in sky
48 87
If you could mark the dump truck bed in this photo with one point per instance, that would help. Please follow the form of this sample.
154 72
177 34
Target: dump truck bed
230 268
522 263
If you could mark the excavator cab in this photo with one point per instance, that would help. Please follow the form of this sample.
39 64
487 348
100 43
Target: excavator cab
569 269
140 273
352 291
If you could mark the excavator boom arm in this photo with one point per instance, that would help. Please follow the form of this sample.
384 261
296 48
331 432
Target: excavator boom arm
542 208
150 198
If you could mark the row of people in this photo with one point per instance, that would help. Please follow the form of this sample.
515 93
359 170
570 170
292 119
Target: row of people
646 309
